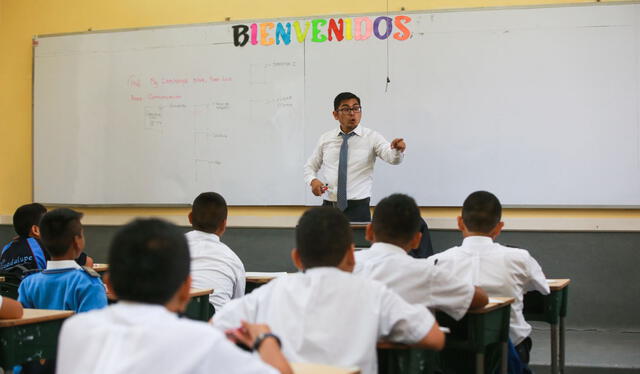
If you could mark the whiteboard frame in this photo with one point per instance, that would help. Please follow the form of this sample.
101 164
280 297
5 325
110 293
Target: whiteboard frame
229 20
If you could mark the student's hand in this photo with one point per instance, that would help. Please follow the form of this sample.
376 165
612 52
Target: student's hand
248 333
399 144
317 187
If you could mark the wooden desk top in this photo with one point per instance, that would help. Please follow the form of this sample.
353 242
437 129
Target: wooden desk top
36 315
500 302
558 284
306 368
100 268
262 277
197 292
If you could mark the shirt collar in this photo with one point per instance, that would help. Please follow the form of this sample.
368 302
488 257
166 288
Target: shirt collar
387 248
205 235
320 270
477 240
357 130
62 264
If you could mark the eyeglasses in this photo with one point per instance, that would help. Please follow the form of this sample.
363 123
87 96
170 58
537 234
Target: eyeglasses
355 109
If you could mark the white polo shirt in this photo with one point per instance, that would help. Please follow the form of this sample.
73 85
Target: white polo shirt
214 265
328 316
500 271
142 338
364 147
419 281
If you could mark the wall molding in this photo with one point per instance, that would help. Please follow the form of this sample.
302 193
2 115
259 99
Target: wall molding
436 223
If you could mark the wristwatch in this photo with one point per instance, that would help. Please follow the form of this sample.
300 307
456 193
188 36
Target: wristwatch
258 342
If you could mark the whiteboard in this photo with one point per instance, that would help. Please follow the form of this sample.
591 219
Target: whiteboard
538 105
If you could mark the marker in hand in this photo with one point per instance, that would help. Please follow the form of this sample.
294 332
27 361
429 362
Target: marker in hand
325 187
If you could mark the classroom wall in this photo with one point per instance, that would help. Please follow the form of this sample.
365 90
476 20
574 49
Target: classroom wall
20 20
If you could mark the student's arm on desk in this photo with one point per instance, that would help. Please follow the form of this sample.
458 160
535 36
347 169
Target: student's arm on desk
480 299
402 322
269 350
536 280
10 308
434 338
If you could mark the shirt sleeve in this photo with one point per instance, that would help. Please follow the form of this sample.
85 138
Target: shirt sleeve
447 291
401 321
536 279
23 295
242 309
314 163
92 296
383 150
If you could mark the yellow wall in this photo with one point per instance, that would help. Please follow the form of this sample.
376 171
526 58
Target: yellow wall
20 20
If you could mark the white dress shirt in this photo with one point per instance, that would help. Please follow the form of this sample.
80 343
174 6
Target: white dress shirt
364 147
214 265
328 316
418 281
142 338
500 271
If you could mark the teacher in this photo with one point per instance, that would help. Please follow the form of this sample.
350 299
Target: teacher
346 156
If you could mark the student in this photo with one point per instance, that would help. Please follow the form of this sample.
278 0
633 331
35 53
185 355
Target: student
142 333
394 231
325 314
26 250
500 270
213 264
9 308
64 285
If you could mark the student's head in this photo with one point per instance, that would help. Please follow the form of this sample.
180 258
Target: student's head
149 262
26 219
61 233
396 220
481 214
323 238
209 213
347 111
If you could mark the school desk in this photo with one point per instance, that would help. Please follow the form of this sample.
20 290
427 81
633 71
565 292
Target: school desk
306 368
199 307
395 358
9 286
551 308
255 279
101 268
480 328
32 337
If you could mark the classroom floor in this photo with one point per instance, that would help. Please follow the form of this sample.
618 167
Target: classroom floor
589 351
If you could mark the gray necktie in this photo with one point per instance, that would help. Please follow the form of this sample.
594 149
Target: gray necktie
342 171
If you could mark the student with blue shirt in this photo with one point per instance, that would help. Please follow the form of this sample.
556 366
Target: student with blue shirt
26 252
64 285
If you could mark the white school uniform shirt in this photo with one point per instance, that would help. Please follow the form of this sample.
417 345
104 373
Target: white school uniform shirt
328 316
142 338
419 281
500 271
214 265
364 147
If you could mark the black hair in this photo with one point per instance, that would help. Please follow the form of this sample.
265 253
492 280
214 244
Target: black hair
26 216
481 212
342 97
396 219
58 228
148 261
208 212
323 237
